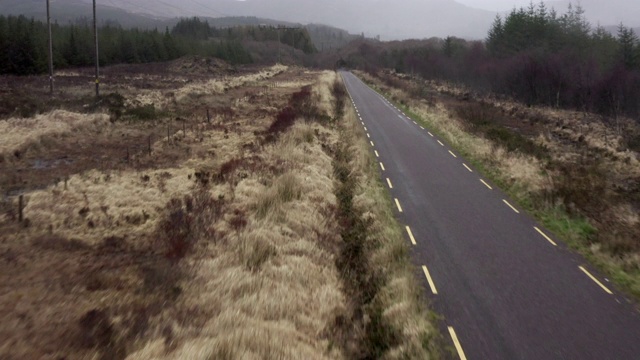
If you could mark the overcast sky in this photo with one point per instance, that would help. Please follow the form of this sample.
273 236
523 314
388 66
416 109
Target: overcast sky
496 5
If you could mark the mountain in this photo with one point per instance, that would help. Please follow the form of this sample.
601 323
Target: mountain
391 19
65 11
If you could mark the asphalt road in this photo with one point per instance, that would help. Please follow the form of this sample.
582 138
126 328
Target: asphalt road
504 289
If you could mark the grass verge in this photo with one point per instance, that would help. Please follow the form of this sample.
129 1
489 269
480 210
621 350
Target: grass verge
388 315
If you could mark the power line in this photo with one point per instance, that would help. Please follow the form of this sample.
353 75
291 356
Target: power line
209 8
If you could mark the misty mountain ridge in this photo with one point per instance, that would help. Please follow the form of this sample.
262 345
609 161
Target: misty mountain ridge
390 19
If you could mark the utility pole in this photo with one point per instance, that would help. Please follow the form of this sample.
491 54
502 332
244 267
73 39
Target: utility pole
50 50
282 27
278 32
95 34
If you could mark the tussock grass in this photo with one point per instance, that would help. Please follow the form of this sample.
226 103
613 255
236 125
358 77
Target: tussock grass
161 99
285 189
269 287
18 133
227 252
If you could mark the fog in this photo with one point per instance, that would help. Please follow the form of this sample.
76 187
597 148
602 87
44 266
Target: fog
389 19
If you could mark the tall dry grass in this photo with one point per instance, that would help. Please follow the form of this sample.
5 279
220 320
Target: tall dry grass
17 133
162 99
268 287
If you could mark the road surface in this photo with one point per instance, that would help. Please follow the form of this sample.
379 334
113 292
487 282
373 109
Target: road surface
507 289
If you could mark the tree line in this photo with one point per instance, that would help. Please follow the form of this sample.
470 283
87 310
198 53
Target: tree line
24 43
297 38
533 55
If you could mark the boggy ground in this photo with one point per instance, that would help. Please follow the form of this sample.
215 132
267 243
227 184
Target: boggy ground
154 230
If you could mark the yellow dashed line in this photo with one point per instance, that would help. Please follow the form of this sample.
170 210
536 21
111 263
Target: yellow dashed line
545 236
468 168
485 184
596 280
456 342
413 240
398 205
390 184
452 154
382 166
430 280
511 206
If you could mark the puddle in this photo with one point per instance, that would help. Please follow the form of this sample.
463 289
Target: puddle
41 164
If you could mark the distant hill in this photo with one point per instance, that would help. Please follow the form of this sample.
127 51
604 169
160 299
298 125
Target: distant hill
391 19
66 11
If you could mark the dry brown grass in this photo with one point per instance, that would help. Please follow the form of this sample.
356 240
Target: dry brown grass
17 133
260 281
271 287
215 245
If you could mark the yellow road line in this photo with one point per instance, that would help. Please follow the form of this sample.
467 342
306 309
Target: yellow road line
413 240
545 236
511 206
596 280
376 151
372 143
390 184
452 154
456 342
430 280
398 205
468 168
440 142
485 184
382 166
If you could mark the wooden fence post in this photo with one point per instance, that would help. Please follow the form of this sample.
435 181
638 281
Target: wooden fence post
20 207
